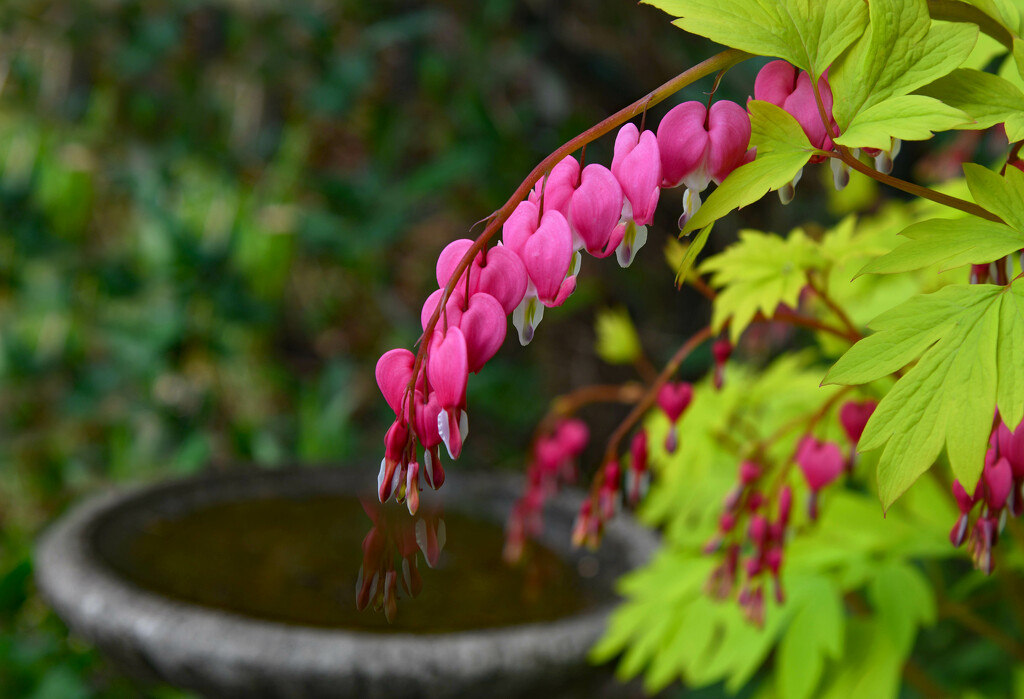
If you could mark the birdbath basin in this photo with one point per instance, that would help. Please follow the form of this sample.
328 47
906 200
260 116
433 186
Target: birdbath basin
242 584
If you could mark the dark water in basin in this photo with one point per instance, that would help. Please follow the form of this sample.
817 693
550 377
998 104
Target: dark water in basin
297 561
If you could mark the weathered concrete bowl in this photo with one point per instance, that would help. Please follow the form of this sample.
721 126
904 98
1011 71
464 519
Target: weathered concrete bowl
222 654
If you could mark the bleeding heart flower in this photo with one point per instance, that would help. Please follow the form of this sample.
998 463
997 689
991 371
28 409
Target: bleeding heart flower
394 448
448 372
698 145
595 210
453 308
854 418
998 479
675 398
820 462
637 166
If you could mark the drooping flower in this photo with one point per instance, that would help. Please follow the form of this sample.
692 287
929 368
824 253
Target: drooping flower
637 166
448 372
698 145
595 210
497 271
821 463
854 418
674 399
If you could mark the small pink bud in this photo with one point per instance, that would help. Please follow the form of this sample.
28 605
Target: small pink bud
959 531
638 451
820 462
758 530
785 505
854 417
726 522
755 501
573 436
998 480
749 472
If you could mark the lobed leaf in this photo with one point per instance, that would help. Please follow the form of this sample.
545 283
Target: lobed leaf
951 242
988 99
807 33
909 117
950 395
901 50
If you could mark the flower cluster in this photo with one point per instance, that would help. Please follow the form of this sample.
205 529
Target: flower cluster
534 266
998 493
753 526
553 465
395 539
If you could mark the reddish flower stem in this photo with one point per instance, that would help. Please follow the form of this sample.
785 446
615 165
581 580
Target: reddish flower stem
721 61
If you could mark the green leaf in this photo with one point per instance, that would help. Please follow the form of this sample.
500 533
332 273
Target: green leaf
757 274
1003 196
617 340
807 33
952 242
782 150
690 256
910 117
904 601
901 50
988 99
949 396
815 632
870 667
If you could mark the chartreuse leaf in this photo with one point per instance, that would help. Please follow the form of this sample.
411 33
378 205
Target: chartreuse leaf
1003 196
870 667
816 631
949 396
807 33
952 242
782 150
757 274
910 117
690 256
988 99
617 340
901 50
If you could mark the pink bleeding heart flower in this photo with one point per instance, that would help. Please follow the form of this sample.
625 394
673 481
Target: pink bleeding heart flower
483 324
698 145
820 462
854 418
1011 447
453 308
448 372
393 372
557 187
998 479
573 435
674 399
637 166
497 271
595 209
427 412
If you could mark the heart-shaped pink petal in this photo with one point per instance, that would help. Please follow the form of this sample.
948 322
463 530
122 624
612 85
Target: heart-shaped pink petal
547 255
775 82
426 419
637 167
394 371
854 418
821 462
483 325
674 399
448 367
596 207
729 135
683 143
558 186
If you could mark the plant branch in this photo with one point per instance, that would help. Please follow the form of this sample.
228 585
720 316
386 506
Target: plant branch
821 291
570 403
975 623
721 61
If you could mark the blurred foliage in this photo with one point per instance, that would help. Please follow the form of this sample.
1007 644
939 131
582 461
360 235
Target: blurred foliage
216 215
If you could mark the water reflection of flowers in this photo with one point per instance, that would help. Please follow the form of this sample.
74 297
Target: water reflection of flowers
389 554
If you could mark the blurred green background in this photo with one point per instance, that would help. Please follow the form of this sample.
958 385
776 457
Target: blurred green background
215 216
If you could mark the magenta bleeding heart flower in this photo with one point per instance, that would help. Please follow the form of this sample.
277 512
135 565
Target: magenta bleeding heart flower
674 399
544 244
448 373
821 463
698 145
595 210
782 85
854 416
637 166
